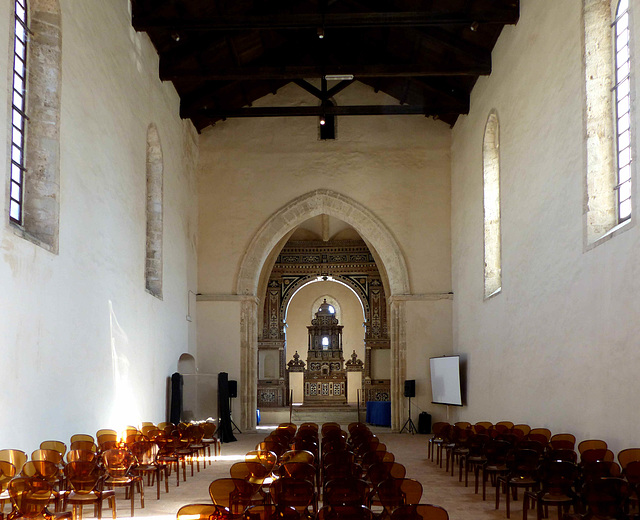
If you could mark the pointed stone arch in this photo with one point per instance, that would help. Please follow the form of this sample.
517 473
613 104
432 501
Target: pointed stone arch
383 246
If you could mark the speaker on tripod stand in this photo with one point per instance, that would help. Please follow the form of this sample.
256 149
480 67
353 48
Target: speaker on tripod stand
409 391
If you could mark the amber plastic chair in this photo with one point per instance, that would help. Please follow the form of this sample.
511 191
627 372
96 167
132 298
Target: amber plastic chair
85 479
15 457
356 512
345 492
558 480
496 452
82 437
167 446
596 454
592 444
270 512
203 512
436 440
420 512
297 456
563 437
338 457
58 446
107 440
48 471
522 473
298 470
81 455
475 458
275 447
255 474
7 472
30 497
267 458
333 471
482 426
146 464
291 492
604 498
384 470
524 428
545 432
235 494
507 424
328 427
397 492
118 464
209 439
84 445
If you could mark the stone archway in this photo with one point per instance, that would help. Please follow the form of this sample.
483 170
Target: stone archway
375 234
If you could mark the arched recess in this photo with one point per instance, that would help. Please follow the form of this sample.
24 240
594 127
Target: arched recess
382 245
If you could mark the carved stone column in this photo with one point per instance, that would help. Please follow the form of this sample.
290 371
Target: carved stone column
248 362
397 333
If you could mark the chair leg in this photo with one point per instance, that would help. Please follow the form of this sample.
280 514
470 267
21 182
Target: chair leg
140 484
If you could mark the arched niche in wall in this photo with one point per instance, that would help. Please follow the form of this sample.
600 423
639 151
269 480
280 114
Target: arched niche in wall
187 364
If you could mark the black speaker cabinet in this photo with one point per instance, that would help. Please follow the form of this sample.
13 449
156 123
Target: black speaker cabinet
233 388
410 388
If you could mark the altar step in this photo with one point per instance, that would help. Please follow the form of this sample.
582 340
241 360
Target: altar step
342 414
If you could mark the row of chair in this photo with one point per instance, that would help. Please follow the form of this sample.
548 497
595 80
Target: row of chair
322 472
545 466
89 472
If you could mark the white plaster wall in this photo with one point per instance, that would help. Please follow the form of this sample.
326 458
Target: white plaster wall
219 349
558 346
57 341
396 166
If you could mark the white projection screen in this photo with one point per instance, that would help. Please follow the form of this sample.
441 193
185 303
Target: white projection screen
445 380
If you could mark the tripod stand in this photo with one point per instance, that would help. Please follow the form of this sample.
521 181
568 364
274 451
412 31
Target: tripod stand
409 426
234 426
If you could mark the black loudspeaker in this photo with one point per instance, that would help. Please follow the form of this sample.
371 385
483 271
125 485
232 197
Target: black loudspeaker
424 423
233 388
410 388
176 398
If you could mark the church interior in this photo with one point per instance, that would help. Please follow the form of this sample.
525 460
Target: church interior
316 198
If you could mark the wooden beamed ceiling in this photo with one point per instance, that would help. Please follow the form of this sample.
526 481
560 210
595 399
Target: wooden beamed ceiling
222 55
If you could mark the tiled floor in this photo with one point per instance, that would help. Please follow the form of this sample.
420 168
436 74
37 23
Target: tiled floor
410 450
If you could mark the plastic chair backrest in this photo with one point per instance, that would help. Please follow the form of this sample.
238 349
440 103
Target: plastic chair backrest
118 462
81 455
203 512
396 492
628 455
81 437
50 455
29 496
265 457
15 457
570 437
298 470
420 512
83 445
592 444
7 472
44 469
271 512
297 456
59 446
546 432
356 512
251 471
233 493
292 492
83 476
345 492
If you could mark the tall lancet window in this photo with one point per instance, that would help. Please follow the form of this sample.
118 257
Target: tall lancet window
492 233
622 100
18 112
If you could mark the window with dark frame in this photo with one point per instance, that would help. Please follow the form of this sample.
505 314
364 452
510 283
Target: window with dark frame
18 112
622 99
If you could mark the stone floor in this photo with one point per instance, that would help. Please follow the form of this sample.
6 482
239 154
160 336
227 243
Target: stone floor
410 450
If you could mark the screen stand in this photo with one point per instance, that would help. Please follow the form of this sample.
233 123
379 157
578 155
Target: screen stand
409 426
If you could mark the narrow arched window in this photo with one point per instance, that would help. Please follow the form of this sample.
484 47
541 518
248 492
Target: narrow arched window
491 199
622 100
18 112
155 168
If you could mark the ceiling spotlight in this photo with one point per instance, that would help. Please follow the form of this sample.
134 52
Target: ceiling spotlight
321 32
175 36
339 77
474 26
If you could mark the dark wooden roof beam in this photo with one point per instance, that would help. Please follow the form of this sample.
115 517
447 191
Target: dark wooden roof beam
170 73
353 110
502 13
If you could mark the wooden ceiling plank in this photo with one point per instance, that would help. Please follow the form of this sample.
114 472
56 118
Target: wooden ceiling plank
505 13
